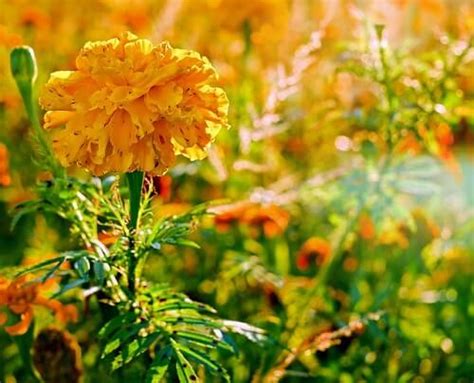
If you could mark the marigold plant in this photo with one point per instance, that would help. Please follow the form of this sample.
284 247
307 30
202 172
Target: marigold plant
326 237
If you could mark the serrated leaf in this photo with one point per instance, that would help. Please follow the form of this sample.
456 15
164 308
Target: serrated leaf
160 364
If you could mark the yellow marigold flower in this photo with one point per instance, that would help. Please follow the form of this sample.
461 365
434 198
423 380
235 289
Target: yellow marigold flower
132 106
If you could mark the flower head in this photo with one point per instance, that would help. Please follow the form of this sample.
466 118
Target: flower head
132 106
314 249
366 227
272 219
57 356
20 295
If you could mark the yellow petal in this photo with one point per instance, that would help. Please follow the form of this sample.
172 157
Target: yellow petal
56 118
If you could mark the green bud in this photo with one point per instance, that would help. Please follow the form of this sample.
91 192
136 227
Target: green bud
82 266
23 65
379 28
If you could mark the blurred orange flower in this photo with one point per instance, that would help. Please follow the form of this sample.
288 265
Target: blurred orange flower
314 249
272 219
131 106
35 17
366 227
445 139
409 144
5 178
9 39
20 296
163 187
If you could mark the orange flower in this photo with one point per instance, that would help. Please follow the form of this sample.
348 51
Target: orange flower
350 264
272 219
163 187
35 17
5 179
315 248
445 139
409 144
20 296
9 39
227 215
131 106
366 227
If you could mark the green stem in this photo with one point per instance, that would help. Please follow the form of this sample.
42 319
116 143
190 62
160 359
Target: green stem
135 182
25 343
27 95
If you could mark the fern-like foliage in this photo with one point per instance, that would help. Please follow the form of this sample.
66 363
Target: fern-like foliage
176 333
178 330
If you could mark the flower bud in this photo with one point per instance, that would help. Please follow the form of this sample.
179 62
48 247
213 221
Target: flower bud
23 65
379 29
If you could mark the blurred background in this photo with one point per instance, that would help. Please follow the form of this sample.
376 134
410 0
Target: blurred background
346 181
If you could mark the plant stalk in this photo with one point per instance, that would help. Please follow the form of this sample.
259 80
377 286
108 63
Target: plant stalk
135 182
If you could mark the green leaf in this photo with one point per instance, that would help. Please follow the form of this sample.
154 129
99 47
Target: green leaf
40 266
160 364
187 243
71 285
204 340
184 369
179 304
116 323
25 343
204 360
51 271
191 320
82 266
22 210
420 187
132 350
66 256
99 272
120 337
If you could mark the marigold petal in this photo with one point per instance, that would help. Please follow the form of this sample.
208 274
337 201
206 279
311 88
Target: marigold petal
56 118
21 327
